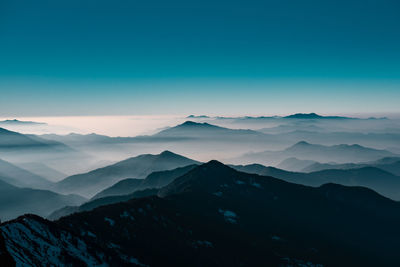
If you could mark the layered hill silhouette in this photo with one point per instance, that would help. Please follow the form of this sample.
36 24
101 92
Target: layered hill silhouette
216 216
185 131
190 129
295 164
16 201
125 190
42 170
390 164
17 176
18 122
313 116
14 140
156 179
377 179
91 183
342 153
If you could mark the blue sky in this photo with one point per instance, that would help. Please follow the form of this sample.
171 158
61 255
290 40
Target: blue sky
180 57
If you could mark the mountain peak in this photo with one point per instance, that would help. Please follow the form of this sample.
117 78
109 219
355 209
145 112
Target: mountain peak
304 116
192 123
301 144
206 177
214 164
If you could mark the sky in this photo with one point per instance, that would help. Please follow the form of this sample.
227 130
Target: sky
157 57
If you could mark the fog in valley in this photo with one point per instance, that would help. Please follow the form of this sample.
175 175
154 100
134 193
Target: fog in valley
74 159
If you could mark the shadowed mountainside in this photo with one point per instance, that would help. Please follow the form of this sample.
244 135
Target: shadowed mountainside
214 216
379 180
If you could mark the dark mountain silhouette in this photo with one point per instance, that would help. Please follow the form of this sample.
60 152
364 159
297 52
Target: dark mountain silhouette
89 184
379 180
313 116
20 177
153 180
216 216
14 140
390 164
197 117
123 187
305 151
16 201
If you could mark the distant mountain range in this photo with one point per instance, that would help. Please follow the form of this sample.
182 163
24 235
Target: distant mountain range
195 130
197 117
216 216
313 116
91 183
292 116
390 164
305 151
20 123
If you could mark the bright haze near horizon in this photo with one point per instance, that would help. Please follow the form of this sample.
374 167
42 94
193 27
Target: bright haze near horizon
86 58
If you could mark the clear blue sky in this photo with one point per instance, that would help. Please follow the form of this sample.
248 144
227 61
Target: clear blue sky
70 57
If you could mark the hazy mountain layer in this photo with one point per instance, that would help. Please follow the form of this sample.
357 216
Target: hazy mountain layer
216 216
305 151
20 177
15 201
43 171
89 184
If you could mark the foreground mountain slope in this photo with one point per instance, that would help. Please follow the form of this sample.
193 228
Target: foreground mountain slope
88 184
15 201
216 216
379 180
